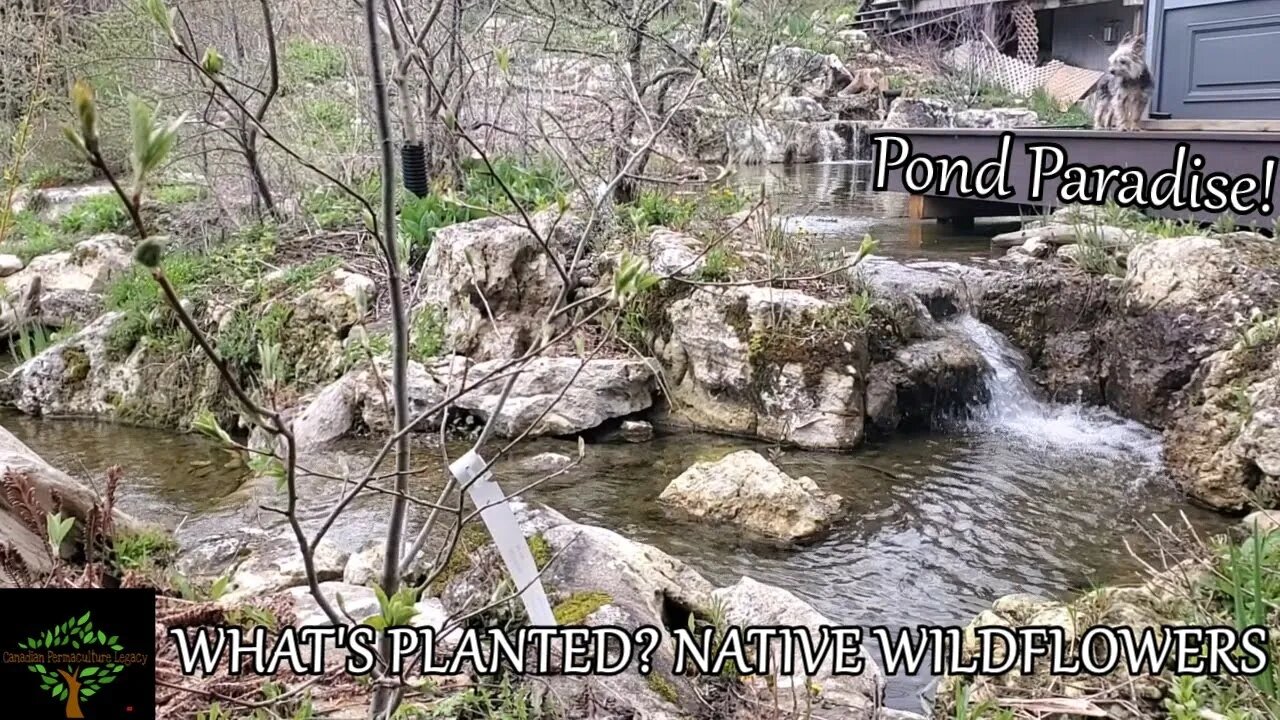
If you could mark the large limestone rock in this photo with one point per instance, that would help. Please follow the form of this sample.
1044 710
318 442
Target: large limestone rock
358 400
926 112
551 396
755 604
74 377
1160 602
10 264
1001 118
792 70
925 382
496 283
317 322
920 112
756 141
1224 449
777 364
787 366
747 490
66 287
276 564
674 254
94 373
1185 341
1184 299
562 395
600 578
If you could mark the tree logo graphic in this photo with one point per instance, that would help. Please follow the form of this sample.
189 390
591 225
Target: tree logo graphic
78 661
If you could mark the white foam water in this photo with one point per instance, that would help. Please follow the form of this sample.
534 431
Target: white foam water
1015 410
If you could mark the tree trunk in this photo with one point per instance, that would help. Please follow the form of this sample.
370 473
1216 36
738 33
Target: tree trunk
73 695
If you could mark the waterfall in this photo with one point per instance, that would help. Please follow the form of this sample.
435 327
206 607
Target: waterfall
1015 409
833 145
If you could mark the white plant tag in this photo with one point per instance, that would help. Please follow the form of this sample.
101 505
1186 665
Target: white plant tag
507 536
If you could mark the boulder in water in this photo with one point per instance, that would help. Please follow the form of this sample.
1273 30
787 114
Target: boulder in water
747 490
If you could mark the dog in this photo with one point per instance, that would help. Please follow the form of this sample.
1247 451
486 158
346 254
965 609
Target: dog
1120 98
841 81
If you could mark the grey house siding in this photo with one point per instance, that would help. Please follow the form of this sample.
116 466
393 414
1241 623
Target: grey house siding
1216 60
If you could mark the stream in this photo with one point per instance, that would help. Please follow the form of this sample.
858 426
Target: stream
1023 496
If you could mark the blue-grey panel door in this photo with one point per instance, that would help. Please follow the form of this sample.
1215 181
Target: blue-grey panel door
1216 59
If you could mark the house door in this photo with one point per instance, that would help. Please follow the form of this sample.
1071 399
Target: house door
1216 59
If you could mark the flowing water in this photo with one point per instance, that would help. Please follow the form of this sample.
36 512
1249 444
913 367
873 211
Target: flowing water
1023 496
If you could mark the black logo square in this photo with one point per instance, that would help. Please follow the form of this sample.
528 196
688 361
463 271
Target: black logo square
68 653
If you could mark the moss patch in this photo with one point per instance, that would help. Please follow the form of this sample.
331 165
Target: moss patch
472 538
662 687
579 606
76 363
541 550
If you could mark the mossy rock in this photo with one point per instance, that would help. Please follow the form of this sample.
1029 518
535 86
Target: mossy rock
576 608
76 362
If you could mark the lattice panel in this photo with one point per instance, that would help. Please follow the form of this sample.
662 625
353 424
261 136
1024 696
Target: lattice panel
1064 83
1024 23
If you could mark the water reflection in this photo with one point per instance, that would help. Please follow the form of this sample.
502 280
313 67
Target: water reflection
833 202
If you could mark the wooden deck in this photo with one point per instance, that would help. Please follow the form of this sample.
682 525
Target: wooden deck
1234 153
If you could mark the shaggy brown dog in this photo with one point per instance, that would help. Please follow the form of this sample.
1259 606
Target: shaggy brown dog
1120 98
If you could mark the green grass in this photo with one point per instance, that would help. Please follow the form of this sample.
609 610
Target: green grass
31 238
194 276
654 208
177 194
1050 113
143 550
1244 592
426 334
311 62
96 214
56 174
329 116
717 265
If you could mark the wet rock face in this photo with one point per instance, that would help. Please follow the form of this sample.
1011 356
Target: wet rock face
790 367
748 491
757 361
1043 309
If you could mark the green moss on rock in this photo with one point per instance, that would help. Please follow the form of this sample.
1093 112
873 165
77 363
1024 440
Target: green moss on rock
662 687
76 363
541 550
472 538
579 606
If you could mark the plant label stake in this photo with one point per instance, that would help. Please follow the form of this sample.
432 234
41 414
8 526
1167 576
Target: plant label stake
501 521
